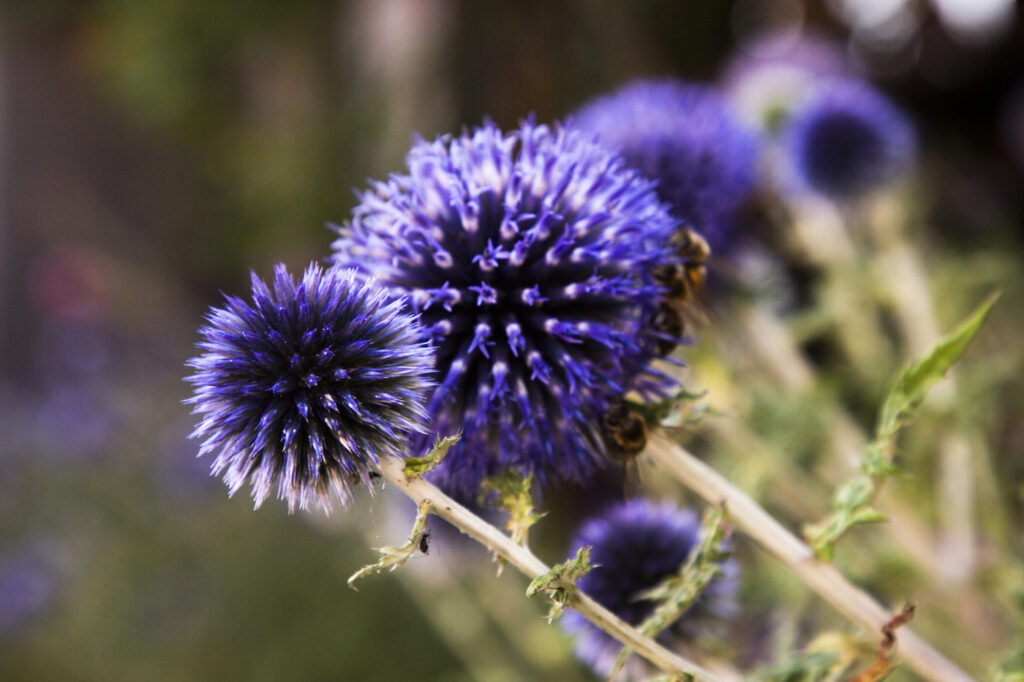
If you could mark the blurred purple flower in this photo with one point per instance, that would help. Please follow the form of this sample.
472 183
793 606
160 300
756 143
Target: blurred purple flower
29 579
767 76
74 350
846 140
636 545
686 138
71 422
527 255
310 386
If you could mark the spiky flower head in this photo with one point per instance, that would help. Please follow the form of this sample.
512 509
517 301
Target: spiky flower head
307 387
686 137
636 545
846 140
527 255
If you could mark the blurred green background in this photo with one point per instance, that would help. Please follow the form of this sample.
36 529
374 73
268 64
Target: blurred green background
152 152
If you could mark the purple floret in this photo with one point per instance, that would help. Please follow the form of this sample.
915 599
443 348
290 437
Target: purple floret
527 256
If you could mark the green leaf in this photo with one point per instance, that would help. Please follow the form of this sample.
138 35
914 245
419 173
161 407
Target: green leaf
877 464
809 667
560 581
510 492
677 593
1010 676
417 466
677 408
913 383
393 557
850 505
850 508
867 515
1012 669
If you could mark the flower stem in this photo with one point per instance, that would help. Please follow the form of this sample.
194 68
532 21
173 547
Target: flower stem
822 577
527 563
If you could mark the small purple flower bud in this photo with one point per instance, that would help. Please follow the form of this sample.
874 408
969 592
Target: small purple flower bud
634 547
847 140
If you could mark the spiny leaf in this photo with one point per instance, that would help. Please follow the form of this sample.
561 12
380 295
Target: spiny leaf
417 466
680 407
913 383
393 557
876 463
678 592
510 492
851 503
560 581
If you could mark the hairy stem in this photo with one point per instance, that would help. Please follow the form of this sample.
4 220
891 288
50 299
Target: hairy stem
822 577
524 560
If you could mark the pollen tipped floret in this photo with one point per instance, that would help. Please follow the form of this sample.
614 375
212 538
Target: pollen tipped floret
635 546
309 386
686 138
527 256
846 140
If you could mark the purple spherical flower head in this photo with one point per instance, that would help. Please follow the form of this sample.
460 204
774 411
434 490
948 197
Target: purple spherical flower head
846 140
528 257
635 545
688 139
309 386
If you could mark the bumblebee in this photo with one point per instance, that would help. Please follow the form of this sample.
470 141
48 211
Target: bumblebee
624 431
668 320
682 281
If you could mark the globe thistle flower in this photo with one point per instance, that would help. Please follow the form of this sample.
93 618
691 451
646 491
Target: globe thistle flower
685 137
527 255
768 75
635 545
309 386
847 140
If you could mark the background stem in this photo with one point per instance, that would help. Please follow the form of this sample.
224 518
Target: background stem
823 578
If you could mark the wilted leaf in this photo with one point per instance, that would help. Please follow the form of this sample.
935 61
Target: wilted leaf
560 581
393 557
417 466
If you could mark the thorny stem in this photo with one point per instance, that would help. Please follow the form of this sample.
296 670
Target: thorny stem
527 563
822 577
